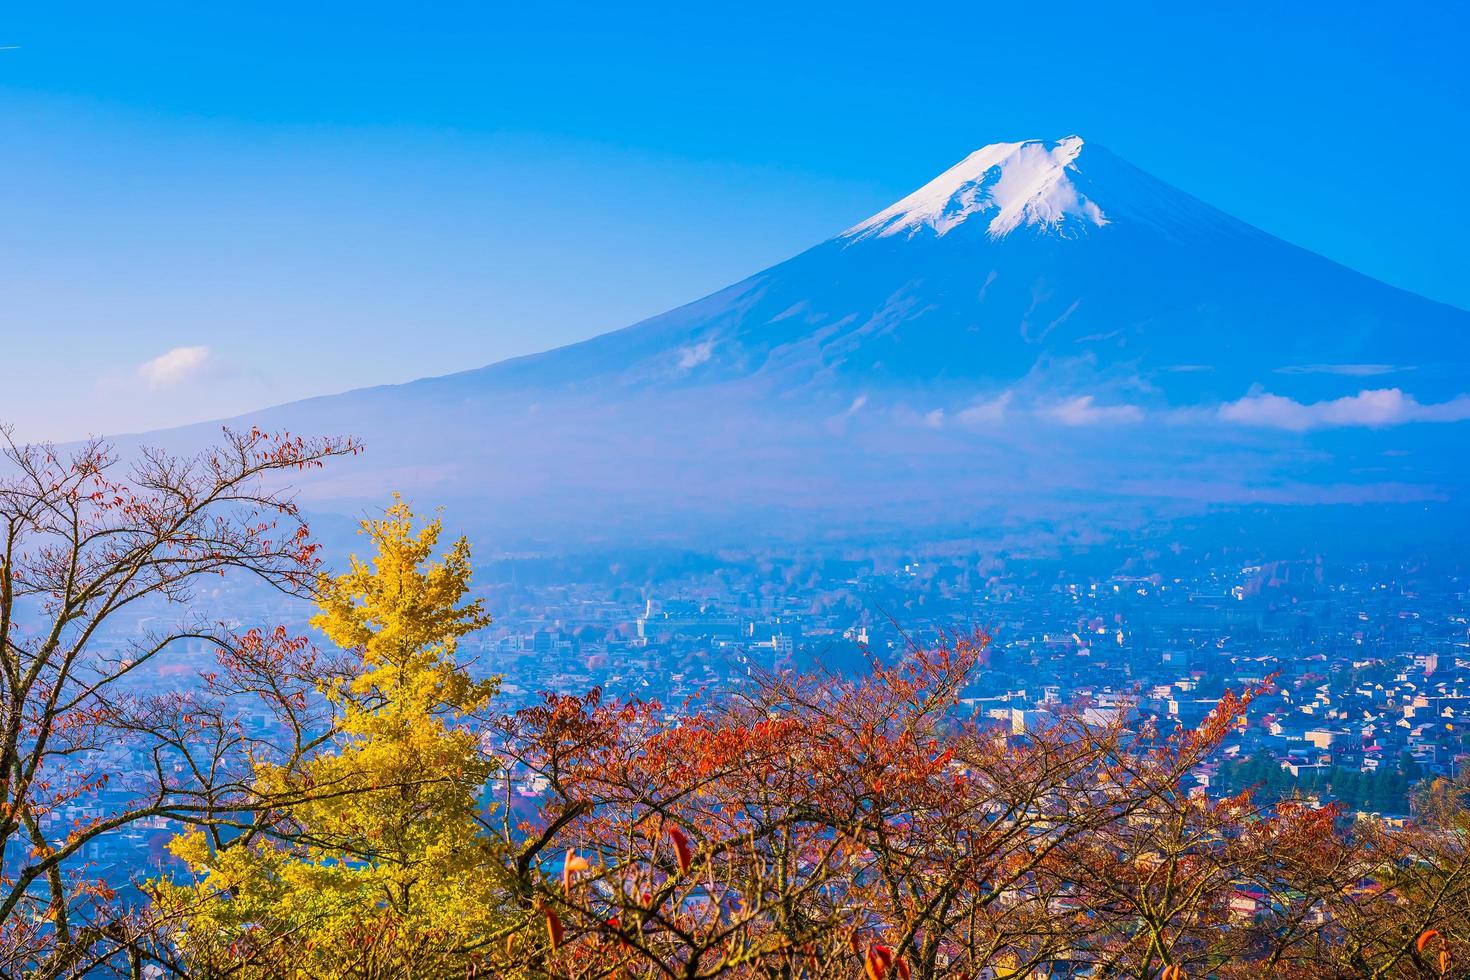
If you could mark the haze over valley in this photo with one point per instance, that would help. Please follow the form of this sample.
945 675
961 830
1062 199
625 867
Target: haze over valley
1041 335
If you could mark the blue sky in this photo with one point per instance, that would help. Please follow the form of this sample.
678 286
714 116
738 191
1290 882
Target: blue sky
302 198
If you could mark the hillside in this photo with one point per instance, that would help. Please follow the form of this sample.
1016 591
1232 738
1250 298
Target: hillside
1041 328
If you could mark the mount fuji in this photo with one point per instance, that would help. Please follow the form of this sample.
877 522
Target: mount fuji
1041 327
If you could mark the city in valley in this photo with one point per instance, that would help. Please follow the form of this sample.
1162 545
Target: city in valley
734 492
1364 666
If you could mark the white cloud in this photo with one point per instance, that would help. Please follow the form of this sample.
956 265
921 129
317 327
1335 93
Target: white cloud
983 413
1374 408
1346 370
175 367
1083 410
934 419
695 355
837 424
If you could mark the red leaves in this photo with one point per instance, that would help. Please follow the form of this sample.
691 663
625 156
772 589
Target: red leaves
683 850
881 959
877 962
615 925
707 827
90 534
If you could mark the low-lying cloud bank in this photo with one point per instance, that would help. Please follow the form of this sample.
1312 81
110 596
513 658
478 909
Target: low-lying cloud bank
1371 408
1086 411
1376 408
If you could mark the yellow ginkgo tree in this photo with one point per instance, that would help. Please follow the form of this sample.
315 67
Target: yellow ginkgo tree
386 864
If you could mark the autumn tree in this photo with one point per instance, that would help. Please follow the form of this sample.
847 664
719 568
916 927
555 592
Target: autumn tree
385 867
826 826
812 823
802 825
1406 910
100 564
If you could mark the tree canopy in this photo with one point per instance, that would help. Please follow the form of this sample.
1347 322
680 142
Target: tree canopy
390 867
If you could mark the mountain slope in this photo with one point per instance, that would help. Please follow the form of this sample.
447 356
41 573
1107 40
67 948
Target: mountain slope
1042 320
1004 265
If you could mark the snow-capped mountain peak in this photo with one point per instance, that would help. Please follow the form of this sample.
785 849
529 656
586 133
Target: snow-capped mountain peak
1080 324
1030 184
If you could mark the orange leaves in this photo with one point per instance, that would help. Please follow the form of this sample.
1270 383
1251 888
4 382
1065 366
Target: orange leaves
572 864
555 931
98 888
881 959
869 808
1443 959
683 850
877 962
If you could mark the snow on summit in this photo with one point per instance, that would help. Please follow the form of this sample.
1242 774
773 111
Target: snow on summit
1008 185
1042 317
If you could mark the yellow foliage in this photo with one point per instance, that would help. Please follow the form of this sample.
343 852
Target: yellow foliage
381 863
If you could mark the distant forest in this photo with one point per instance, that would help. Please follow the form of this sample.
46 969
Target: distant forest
1384 790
